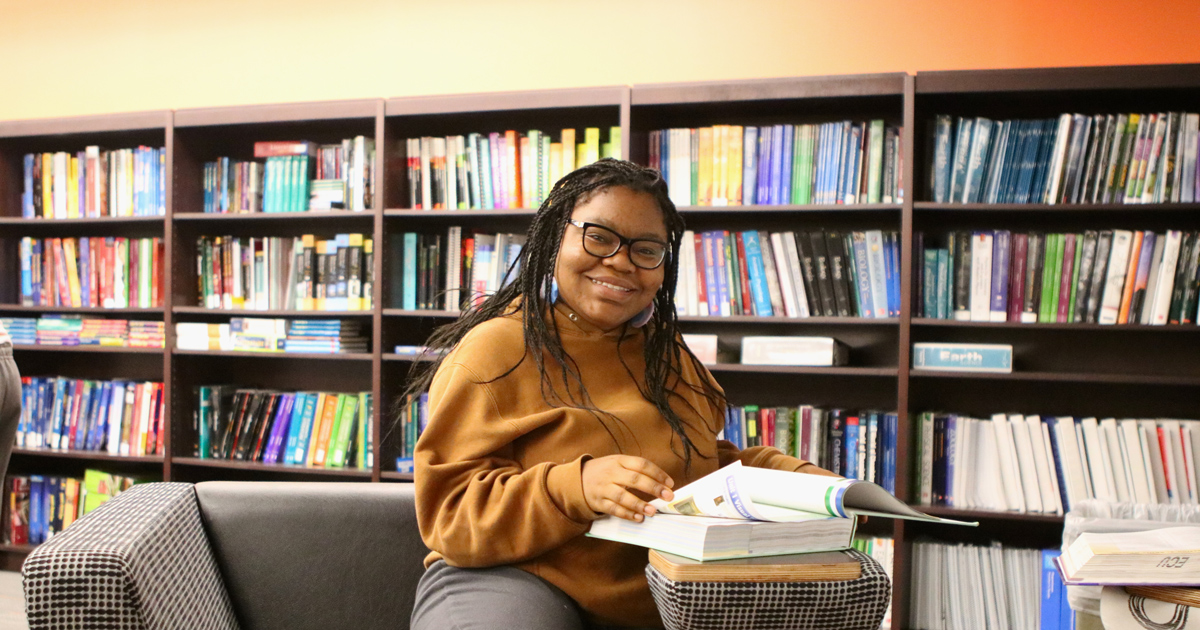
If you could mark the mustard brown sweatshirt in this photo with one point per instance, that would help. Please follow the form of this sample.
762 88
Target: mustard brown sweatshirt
498 470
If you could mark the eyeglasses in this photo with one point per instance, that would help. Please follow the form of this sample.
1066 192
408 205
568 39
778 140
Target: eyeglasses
602 242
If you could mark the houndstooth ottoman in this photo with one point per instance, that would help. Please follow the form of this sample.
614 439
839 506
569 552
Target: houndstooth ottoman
847 605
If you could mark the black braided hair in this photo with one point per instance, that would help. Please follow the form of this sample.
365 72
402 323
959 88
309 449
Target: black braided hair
530 292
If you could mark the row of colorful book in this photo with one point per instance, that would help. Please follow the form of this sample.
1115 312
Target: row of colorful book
883 551
303 273
828 163
1105 276
260 334
37 507
116 417
967 587
789 274
1030 463
95 183
1101 158
314 429
853 444
296 176
448 273
498 169
412 416
66 330
96 272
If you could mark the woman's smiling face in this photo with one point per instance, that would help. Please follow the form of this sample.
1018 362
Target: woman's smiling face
607 292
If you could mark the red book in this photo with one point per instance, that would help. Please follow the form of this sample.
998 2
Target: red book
135 272
513 160
1065 282
106 273
768 416
156 267
1016 277
743 273
293 147
93 279
18 511
158 416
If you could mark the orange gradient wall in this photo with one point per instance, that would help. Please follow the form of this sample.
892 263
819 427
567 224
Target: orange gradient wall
71 57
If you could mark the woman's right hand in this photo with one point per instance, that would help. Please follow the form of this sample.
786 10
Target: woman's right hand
608 482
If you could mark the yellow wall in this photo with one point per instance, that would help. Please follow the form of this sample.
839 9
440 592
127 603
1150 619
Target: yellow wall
69 57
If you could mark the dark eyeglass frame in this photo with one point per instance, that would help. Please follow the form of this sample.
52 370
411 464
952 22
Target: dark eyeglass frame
622 241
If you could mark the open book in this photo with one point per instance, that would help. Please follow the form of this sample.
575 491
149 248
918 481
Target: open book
740 512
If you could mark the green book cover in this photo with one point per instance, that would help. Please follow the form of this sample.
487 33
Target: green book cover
274 177
798 163
345 427
360 438
929 276
1075 276
411 427
614 141
875 168
203 420
732 275
947 287
335 430
1051 280
1047 271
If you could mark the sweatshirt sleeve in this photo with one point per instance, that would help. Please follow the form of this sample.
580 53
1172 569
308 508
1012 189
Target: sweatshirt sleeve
476 506
767 457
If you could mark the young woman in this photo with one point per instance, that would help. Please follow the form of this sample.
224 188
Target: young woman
565 397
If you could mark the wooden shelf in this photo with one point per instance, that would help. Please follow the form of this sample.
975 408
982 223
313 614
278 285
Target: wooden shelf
100 349
822 321
407 213
391 475
1044 208
17 308
884 84
17 222
348 356
987 515
399 312
950 323
275 468
104 123
200 310
310 215
21 549
812 371
277 113
406 357
506 101
99 456
1065 377
806 208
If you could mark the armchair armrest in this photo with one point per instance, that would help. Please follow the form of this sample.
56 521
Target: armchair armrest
141 560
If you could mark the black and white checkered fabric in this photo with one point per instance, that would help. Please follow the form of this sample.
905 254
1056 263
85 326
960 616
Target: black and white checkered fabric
139 562
848 605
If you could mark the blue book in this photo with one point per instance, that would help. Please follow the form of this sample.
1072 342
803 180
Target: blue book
1008 170
98 437
1041 165
827 162
850 456
951 453
85 292
844 163
757 272
981 141
1001 249
941 159
37 510
963 357
777 156
73 440
293 434
1052 592
891 437
962 150
708 247
27 194
877 271
1056 458
789 150
766 138
890 276
720 276
409 282
62 392
862 275
300 455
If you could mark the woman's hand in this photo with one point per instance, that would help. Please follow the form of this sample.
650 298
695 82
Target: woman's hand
608 483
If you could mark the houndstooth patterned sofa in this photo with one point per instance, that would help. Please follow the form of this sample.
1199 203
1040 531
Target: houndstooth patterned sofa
266 556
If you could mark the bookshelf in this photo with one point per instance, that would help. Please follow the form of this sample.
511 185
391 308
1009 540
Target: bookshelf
1120 371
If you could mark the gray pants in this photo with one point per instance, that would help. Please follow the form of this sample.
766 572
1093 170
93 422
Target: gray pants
450 598
10 404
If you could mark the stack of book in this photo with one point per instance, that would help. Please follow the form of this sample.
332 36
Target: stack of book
145 334
414 415
1121 158
58 330
1027 463
789 274
117 417
23 330
1105 276
453 272
104 332
37 507
961 586
857 445
324 335
306 273
344 178
314 429
830 163
497 170
95 183
108 272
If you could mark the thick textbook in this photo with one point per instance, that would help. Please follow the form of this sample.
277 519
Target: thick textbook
829 566
962 357
1158 556
742 512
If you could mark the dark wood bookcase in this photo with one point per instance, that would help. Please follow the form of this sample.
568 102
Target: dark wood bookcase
1122 371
